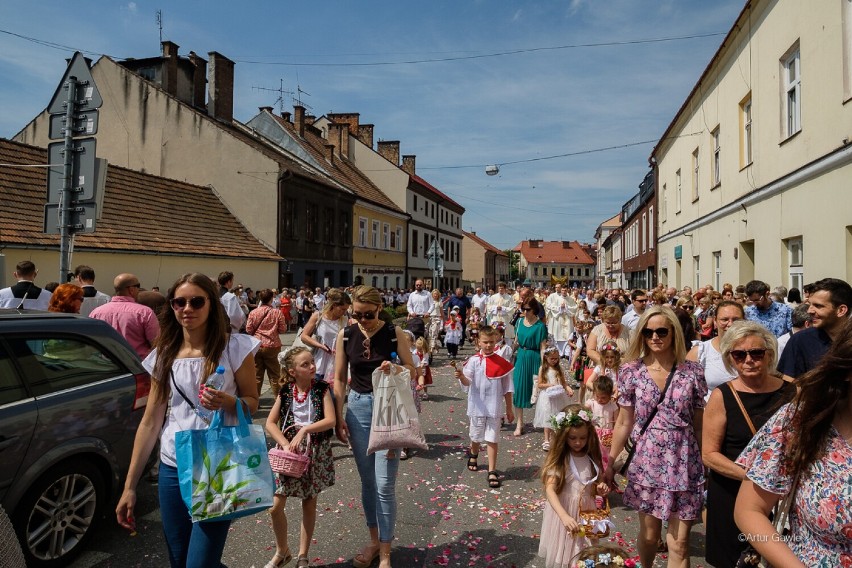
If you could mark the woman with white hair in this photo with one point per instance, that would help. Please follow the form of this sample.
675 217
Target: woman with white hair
735 411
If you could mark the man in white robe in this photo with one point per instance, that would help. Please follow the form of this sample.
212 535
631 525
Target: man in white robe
500 309
561 308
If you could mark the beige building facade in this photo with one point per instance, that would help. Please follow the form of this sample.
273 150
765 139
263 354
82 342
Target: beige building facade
484 264
753 173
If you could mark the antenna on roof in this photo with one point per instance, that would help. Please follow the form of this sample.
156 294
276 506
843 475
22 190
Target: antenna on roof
160 24
281 92
297 100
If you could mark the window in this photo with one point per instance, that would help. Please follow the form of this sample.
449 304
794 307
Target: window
11 388
345 234
717 157
678 191
328 226
571 271
644 232
398 238
695 263
362 231
791 74
562 271
696 173
415 204
386 237
394 239
664 208
311 222
288 218
651 228
796 259
746 134
587 272
535 270
413 243
717 270
374 241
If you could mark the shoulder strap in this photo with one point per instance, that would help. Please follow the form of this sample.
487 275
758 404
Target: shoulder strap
742 408
662 397
347 332
180 392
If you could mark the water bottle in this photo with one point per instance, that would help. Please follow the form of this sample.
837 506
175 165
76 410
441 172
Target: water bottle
395 358
214 381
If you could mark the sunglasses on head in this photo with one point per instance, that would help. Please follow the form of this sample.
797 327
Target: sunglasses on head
739 355
661 332
196 302
364 316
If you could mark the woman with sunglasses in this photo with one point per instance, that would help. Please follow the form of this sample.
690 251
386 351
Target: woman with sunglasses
663 394
362 348
734 412
194 339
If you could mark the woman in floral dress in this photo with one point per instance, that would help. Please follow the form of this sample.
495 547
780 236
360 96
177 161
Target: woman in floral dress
665 481
808 440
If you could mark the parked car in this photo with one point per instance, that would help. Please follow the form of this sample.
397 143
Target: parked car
72 393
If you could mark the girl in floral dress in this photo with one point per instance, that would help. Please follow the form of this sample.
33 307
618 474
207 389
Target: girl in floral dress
305 403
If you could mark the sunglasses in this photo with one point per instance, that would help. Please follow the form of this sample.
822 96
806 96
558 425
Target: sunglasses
661 332
527 309
364 316
739 355
196 302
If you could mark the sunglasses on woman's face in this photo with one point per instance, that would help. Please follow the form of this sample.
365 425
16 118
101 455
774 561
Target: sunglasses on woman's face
661 332
739 355
196 302
364 316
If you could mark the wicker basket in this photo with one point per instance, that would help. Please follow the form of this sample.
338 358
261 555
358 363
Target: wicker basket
291 464
589 517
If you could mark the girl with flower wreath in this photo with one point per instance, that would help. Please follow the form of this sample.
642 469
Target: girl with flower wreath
571 474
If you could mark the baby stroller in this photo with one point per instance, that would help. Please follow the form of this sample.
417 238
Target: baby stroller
416 326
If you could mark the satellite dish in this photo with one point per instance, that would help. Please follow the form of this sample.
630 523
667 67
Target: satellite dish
492 170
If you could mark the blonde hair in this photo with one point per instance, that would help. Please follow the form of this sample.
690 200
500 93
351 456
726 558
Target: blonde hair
741 329
638 348
287 360
367 295
335 298
422 345
611 312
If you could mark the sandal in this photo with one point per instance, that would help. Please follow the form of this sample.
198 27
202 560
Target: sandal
662 546
361 560
472 463
279 560
494 479
546 446
302 562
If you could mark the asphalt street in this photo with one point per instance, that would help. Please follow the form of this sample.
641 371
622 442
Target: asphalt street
447 516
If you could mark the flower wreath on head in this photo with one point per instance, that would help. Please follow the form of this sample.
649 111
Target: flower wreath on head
570 419
609 346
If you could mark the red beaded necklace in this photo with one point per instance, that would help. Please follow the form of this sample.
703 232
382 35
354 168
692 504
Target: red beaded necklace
304 396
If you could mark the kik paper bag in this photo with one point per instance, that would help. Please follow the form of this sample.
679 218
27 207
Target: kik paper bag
395 423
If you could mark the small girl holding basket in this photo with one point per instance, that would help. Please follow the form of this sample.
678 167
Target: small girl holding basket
303 413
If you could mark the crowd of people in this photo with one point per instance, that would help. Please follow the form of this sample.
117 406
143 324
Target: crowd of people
714 404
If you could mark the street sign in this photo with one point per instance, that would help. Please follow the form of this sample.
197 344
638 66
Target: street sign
88 96
435 249
85 123
84 168
83 218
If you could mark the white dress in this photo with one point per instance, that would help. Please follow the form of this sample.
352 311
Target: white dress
548 406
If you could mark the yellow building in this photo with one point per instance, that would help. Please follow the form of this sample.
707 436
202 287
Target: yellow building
753 172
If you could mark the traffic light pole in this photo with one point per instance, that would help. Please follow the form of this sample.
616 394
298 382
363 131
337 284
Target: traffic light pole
66 198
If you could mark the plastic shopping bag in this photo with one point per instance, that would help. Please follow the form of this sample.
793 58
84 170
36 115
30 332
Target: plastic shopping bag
395 424
224 471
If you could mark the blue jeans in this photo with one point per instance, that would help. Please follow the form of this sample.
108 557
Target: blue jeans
191 545
377 472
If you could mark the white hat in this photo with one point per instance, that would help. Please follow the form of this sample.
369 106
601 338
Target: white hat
455 310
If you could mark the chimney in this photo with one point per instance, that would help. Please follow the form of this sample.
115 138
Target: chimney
221 86
300 120
265 109
408 164
199 80
365 134
335 132
328 151
389 150
310 118
170 54
286 116
345 129
566 244
348 118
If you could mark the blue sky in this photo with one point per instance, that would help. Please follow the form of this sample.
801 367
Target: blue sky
480 105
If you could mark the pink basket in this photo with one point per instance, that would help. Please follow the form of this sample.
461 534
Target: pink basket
291 464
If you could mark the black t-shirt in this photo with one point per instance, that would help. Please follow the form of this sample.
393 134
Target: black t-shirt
803 351
361 368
